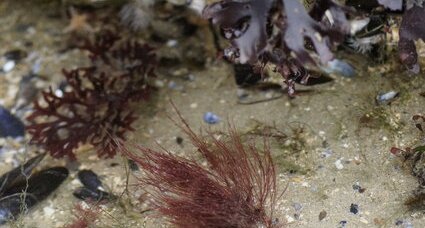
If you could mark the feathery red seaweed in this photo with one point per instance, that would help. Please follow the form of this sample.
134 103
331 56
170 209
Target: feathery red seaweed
236 189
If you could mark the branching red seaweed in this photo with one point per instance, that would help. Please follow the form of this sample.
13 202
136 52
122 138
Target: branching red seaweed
237 189
97 108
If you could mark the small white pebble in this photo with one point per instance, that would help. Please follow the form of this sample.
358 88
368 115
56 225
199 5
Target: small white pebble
338 164
384 138
59 93
172 43
194 105
8 66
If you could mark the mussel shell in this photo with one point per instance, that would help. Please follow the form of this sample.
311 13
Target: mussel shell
86 194
27 194
41 184
19 173
90 180
11 206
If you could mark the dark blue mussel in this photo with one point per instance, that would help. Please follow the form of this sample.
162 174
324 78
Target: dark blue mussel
20 191
93 189
10 125
90 179
19 173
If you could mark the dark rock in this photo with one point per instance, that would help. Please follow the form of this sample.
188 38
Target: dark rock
10 125
354 208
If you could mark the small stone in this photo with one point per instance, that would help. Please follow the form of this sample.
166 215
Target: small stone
211 118
193 105
358 188
8 66
338 164
10 125
322 215
172 43
179 140
398 222
354 208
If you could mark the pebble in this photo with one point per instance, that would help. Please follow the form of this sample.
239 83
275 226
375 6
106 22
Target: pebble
172 43
8 66
354 208
358 188
342 223
322 215
211 118
179 140
338 164
193 105
10 125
